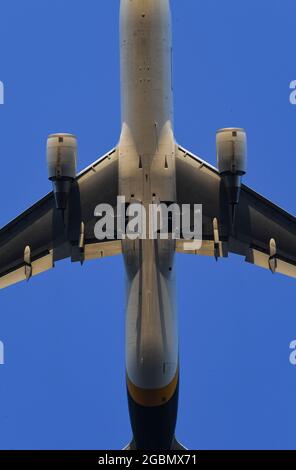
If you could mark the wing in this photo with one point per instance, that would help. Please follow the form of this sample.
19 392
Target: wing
262 232
34 241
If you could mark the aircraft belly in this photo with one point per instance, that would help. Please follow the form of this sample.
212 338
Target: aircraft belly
151 323
147 175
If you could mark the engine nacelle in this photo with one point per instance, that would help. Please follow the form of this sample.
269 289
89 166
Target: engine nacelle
232 160
61 163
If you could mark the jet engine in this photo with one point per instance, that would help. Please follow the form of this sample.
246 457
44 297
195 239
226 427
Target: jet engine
61 163
232 161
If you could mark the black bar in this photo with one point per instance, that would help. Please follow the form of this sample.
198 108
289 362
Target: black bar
137 458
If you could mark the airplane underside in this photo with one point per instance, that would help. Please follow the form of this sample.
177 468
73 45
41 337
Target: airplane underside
148 167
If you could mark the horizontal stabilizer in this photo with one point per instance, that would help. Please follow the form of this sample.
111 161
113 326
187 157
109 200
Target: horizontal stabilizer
176 446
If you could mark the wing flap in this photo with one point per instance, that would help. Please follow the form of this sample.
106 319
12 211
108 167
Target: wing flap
13 277
276 265
208 248
102 250
26 271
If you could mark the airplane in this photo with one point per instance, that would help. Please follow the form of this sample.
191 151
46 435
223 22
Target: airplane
148 165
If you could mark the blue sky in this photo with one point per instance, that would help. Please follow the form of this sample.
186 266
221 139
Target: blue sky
63 384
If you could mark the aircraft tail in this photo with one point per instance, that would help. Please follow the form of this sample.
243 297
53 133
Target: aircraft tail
176 445
131 446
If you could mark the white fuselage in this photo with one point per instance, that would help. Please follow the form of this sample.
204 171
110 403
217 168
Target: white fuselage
147 174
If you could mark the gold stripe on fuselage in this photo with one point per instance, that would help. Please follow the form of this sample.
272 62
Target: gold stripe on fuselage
153 397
